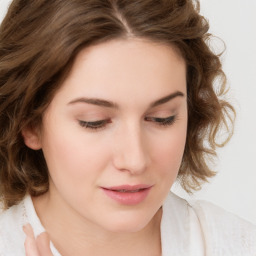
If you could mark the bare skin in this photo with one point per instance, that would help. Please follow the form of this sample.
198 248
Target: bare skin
40 245
119 119
36 246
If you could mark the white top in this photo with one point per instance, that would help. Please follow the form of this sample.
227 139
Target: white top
187 229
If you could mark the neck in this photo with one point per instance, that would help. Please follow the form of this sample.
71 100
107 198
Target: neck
73 235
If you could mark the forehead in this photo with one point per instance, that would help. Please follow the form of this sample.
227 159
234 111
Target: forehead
119 69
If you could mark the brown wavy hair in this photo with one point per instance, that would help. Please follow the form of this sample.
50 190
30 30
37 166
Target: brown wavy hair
39 40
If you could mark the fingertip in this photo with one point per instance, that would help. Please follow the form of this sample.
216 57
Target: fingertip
43 237
27 229
43 243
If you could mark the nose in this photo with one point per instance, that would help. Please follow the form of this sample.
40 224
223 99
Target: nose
130 150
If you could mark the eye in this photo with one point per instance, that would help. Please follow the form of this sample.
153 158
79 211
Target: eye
166 121
95 125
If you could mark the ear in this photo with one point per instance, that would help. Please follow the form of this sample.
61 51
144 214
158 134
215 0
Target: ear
32 138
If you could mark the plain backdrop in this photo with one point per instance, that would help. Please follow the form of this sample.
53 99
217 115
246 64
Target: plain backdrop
234 188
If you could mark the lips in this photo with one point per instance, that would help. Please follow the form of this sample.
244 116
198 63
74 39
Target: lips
130 191
129 188
127 194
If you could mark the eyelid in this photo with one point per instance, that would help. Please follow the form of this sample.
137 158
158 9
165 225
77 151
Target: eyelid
158 119
162 121
94 125
101 124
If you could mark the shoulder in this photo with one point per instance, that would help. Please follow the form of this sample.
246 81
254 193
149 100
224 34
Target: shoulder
223 232
11 235
180 223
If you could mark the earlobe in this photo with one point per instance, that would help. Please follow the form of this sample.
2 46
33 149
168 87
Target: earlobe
31 138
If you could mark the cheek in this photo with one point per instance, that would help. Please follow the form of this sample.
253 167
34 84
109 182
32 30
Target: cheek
73 157
169 151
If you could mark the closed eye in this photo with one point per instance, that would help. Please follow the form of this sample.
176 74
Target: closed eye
99 124
167 121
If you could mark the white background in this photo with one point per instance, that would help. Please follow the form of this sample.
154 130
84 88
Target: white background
234 188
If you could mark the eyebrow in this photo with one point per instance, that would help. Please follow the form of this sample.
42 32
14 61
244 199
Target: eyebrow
110 104
167 98
95 101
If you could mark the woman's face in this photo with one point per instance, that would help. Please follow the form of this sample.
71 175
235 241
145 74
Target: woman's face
113 136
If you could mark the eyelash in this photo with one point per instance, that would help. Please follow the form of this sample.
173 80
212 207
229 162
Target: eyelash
101 124
96 125
167 121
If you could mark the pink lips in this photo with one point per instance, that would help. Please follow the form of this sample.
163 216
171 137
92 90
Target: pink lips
128 195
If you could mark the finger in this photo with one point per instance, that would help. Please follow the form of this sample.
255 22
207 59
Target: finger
30 242
43 244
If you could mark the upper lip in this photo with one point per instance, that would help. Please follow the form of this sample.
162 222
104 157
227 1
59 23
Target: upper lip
128 187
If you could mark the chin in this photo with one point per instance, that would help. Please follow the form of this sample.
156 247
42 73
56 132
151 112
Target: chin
128 222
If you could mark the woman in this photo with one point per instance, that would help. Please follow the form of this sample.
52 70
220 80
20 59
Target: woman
104 104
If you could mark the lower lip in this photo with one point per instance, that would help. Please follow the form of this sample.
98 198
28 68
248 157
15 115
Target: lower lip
127 198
